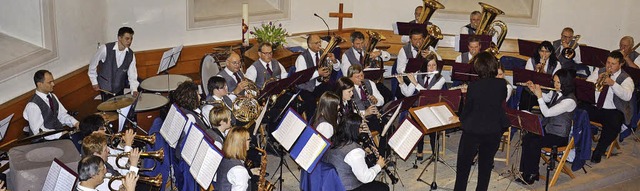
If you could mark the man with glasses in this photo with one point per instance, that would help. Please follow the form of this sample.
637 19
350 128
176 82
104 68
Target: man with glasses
266 67
565 41
233 75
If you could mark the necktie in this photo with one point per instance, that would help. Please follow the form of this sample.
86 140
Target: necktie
237 77
426 82
361 58
602 96
317 58
554 98
363 94
269 70
50 101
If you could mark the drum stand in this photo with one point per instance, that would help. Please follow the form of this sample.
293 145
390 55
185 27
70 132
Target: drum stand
434 158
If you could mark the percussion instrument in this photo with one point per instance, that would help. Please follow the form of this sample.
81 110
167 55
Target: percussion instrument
116 103
147 108
163 83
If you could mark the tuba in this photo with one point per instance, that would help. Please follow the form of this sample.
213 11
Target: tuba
374 38
570 52
430 7
324 63
155 181
487 25
434 34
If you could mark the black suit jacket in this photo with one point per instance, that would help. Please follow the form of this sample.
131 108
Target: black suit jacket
483 112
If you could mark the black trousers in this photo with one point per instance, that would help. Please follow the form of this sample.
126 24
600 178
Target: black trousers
486 146
611 120
310 99
373 186
432 141
531 145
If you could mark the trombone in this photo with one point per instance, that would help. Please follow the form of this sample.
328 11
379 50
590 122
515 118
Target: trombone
155 181
148 139
157 155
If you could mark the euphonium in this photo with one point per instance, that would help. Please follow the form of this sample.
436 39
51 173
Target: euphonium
157 155
487 24
434 34
324 63
155 181
601 79
430 7
148 139
374 38
570 52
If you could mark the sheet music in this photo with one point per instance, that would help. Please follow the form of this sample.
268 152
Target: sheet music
442 113
393 117
191 144
260 117
289 130
311 151
205 164
427 117
172 126
4 125
404 138
58 178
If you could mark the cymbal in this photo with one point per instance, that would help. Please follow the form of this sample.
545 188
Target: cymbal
108 116
116 103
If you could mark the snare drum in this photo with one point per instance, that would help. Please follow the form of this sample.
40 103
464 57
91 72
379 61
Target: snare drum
163 83
148 108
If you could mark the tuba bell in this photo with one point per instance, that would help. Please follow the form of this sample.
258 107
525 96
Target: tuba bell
324 63
374 38
430 7
434 34
155 181
487 26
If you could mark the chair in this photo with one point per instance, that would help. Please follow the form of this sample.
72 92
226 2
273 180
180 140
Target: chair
615 142
505 142
510 62
561 167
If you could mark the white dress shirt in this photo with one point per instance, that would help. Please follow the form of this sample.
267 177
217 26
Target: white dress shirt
112 162
33 115
252 74
301 64
624 91
325 129
531 66
346 63
355 159
239 177
566 105
226 70
403 59
409 90
101 55
82 188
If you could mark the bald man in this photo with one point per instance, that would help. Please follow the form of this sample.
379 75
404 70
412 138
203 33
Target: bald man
630 56
233 75
314 87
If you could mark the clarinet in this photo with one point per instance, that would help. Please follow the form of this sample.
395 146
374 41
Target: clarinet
366 141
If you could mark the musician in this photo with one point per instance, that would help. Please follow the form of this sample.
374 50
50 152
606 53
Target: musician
44 112
500 75
233 75
410 50
545 59
96 145
114 65
630 56
218 92
220 120
88 125
483 122
557 108
232 174
565 41
314 87
266 67
344 90
356 54
187 98
367 97
474 21
474 48
92 172
416 14
327 114
349 158
614 108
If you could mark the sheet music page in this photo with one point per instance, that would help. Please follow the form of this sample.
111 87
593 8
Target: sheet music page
311 151
405 138
260 117
172 126
4 125
205 164
393 117
289 130
52 177
427 117
442 113
65 181
58 178
191 144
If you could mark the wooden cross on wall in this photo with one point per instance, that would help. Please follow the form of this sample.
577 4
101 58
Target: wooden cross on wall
340 16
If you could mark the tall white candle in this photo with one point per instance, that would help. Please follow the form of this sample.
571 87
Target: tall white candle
245 19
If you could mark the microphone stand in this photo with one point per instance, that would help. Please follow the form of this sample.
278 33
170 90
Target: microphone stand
325 23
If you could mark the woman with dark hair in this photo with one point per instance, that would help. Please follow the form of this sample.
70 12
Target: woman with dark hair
88 125
344 90
187 98
483 122
326 116
557 108
349 158
545 59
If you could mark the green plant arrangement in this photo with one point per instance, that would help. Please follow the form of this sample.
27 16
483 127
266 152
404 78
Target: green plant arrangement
274 34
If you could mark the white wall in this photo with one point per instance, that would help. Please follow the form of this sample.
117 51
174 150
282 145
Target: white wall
22 19
79 26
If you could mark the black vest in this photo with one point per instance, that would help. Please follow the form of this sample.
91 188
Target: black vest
550 67
335 156
111 77
308 59
431 83
559 125
470 30
222 183
351 56
50 117
231 80
261 72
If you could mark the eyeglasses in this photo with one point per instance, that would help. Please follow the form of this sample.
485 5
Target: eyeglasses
267 53
234 62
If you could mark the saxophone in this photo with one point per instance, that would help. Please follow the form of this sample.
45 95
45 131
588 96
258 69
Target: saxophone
263 184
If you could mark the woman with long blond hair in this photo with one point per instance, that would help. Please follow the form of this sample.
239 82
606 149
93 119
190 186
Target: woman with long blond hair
232 174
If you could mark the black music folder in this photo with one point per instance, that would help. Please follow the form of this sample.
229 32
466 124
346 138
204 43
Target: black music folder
403 28
585 91
527 48
485 41
525 121
414 65
451 97
463 72
373 74
633 73
593 56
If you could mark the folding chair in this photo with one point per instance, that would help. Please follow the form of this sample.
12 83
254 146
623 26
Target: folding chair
561 167
615 142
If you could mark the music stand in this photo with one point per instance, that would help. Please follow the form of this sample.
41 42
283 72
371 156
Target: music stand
485 41
414 65
373 74
4 125
169 60
451 97
403 28
585 91
523 75
525 122
463 72
527 48
593 56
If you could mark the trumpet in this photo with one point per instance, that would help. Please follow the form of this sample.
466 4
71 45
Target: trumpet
540 68
148 139
157 155
406 74
155 181
600 83
541 87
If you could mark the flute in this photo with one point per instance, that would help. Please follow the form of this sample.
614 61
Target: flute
541 87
